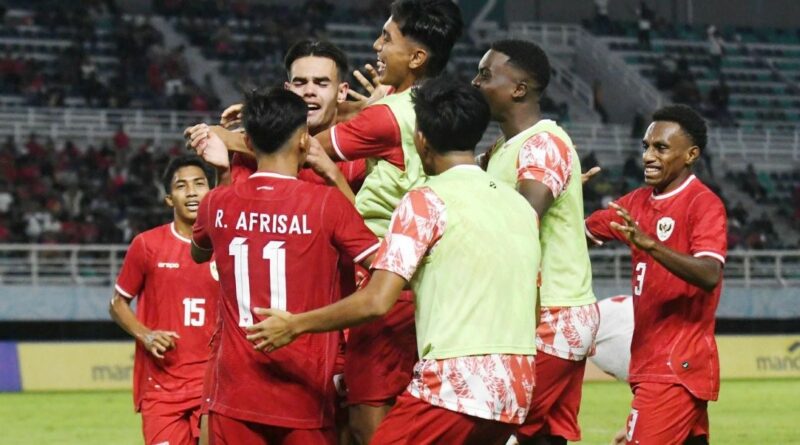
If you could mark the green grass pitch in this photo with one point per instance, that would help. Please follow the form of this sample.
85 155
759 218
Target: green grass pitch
748 412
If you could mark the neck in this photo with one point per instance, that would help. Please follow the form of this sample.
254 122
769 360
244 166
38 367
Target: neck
446 161
519 118
279 163
407 83
184 228
675 183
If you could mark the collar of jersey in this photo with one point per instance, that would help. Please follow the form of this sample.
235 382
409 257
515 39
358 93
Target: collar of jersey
676 191
270 175
178 235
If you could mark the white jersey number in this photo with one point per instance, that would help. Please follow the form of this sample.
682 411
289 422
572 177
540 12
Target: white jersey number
276 255
193 312
641 268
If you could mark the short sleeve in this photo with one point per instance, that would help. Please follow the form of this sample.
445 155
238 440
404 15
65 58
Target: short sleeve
200 236
547 159
708 236
372 133
598 224
134 269
416 226
350 235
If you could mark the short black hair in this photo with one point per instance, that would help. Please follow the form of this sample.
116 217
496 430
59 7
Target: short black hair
690 121
317 48
271 116
527 56
178 163
437 24
452 115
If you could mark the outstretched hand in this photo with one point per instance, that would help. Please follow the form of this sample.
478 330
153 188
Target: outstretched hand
375 91
231 117
272 332
586 176
631 230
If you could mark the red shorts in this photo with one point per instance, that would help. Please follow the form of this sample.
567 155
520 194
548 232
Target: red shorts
177 423
381 355
665 413
224 430
414 422
556 399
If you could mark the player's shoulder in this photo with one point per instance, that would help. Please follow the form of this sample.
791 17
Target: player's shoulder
156 234
702 193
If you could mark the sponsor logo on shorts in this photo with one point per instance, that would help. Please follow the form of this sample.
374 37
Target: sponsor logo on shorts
632 424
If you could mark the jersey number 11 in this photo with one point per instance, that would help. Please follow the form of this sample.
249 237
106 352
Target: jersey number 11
276 255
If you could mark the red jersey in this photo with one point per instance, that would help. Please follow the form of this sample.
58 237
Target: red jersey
673 337
172 293
354 171
277 241
372 133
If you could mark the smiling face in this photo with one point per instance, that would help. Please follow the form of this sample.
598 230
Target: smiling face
394 55
668 154
316 80
188 187
497 80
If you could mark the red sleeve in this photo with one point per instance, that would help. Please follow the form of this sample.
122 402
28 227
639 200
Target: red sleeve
242 167
200 236
350 235
708 227
598 224
372 133
134 269
354 173
547 159
417 225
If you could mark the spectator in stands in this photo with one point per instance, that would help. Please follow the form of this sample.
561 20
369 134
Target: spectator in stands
718 100
645 23
598 101
602 23
751 186
716 48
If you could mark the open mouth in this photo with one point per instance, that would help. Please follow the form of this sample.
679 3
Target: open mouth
193 206
313 107
380 66
651 171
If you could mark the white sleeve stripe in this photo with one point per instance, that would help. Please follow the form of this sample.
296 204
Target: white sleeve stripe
367 252
714 255
122 291
336 144
590 236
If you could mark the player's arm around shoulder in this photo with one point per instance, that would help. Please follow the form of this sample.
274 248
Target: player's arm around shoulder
202 250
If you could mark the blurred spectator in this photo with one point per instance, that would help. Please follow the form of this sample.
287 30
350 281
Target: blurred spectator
716 48
645 23
602 23
598 101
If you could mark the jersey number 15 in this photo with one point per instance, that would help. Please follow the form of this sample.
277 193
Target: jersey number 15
276 255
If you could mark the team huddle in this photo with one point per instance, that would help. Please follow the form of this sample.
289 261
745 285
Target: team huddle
358 276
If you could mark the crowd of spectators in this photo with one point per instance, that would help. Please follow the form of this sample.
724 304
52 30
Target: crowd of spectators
59 192
112 61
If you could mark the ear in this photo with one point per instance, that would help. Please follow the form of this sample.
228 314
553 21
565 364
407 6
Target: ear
692 154
341 94
249 143
421 143
418 58
168 200
304 143
286 85
520 91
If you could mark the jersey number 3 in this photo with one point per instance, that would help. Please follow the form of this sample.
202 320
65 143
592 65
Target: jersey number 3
276 255
641 268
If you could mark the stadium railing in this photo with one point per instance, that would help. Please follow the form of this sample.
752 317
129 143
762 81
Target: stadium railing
777 146
98 265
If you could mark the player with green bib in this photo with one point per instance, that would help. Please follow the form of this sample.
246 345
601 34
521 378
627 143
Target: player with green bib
537 157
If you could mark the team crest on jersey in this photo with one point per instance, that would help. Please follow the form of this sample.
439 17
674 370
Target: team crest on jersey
214 273
664 228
